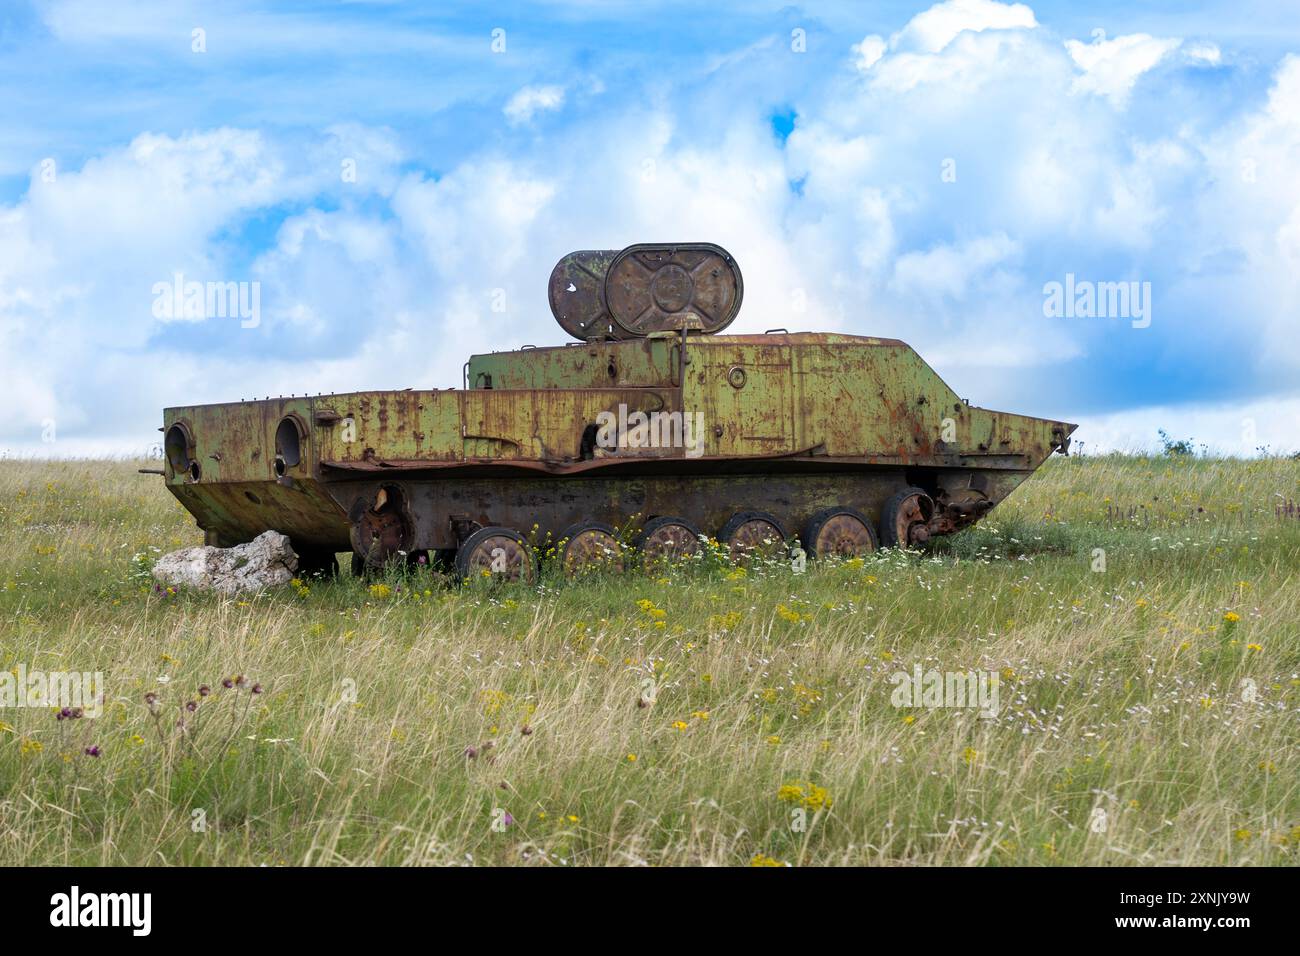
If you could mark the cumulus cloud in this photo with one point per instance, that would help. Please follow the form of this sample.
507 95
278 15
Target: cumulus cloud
943 45
1111 67
927 191
869 51
1203 54
948 269
932 30
531 100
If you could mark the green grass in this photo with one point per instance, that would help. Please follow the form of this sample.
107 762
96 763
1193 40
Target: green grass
1122 691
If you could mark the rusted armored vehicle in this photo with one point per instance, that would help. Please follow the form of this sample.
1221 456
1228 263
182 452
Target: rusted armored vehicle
652 428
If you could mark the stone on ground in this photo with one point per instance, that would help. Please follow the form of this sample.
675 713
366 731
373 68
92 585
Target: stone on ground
266 561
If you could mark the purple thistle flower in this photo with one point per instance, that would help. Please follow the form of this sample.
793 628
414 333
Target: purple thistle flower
92 751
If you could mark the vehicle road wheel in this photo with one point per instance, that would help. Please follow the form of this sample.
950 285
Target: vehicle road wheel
497 553
590 546
838 532
904 519
753 534
667 539
380 529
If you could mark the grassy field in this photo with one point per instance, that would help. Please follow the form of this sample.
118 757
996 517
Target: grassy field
1149 694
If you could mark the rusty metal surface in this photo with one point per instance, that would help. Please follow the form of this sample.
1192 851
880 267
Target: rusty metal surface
381 528
642 363
651 287
591 547
907 522
627 502
752 536
667 540
829 406
576 291
499 554
706 425
842 534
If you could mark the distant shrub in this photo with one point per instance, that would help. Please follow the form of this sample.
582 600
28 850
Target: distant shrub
1176 448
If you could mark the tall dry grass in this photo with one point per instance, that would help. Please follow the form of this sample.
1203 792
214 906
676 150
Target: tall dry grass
709 716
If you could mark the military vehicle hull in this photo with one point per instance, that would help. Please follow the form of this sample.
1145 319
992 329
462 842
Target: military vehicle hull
845 443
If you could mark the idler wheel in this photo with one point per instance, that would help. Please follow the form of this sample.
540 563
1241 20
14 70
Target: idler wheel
590 546
497 553
753 534
905 519
838 532
667 539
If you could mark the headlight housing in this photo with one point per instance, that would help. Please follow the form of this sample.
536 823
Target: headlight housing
178 448
289 439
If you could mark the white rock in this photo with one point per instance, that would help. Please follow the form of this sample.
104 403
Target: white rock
266 561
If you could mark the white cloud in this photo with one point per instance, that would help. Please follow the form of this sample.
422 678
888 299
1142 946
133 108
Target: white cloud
970 61
944 44
932 30
1203 53
1253 214
531 100
392 280
1238 428
947 270
869 52
80 255
1111 67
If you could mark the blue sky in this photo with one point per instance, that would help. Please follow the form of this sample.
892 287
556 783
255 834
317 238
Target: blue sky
399 178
